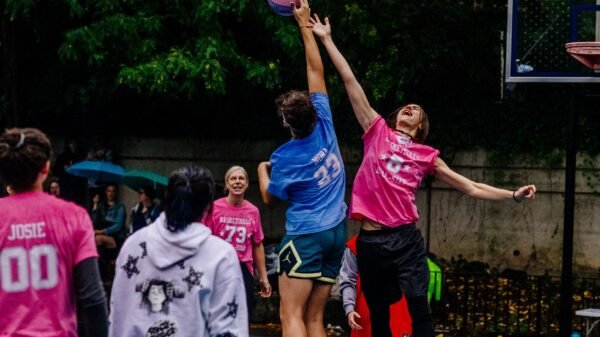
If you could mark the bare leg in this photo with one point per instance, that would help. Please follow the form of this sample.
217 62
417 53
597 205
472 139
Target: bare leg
105 241
313 315
294 294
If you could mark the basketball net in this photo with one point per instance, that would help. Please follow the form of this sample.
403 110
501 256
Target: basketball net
588 53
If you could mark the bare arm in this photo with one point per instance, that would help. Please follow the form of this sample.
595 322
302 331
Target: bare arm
479 190
314 64
258 253
360 104
263 181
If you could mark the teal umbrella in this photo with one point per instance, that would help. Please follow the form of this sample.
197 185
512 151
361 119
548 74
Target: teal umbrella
97 171
137 179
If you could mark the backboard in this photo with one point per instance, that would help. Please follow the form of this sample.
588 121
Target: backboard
537 31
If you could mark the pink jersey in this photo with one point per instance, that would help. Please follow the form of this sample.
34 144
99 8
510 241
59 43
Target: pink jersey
391 171
238 225
41 239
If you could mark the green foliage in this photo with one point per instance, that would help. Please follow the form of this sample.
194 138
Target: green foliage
134 60
16 8
178 48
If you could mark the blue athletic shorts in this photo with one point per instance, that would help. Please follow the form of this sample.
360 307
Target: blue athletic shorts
316 256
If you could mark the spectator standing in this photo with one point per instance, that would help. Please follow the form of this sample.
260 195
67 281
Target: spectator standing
237 221
47 248
176 279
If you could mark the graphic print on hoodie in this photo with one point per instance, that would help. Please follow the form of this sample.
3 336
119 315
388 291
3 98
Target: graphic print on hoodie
186 283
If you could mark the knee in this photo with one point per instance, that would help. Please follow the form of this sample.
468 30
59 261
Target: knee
313 318
289 313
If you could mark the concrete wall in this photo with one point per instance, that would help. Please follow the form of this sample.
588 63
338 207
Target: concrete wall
524 236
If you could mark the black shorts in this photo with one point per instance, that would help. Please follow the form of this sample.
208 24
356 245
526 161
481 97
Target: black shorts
249 286
392 262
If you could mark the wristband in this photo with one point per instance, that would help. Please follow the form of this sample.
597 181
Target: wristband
515 198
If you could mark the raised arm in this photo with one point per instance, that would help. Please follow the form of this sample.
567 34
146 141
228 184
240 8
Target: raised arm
314 64
360 104
479 190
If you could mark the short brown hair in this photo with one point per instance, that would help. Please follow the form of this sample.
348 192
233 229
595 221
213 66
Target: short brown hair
298 112
23 153
422 132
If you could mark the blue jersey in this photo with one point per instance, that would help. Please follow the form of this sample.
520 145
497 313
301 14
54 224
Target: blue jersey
309 174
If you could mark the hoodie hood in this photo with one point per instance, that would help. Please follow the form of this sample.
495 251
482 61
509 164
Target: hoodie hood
166 248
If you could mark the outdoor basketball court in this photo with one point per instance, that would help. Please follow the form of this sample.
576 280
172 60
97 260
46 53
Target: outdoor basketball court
552 42
558 41
537 34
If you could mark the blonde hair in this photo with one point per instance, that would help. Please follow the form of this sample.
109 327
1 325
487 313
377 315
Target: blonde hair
230 172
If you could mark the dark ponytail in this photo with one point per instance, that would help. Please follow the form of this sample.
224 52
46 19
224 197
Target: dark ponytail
190 193
23 153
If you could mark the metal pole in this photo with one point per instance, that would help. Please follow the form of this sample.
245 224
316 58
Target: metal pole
566 283
597 22
429 187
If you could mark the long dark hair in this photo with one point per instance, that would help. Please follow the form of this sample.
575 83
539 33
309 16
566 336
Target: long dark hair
190 193
23 153
422 131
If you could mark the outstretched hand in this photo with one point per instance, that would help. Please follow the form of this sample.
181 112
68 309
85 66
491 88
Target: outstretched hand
321 30
525 192
302 13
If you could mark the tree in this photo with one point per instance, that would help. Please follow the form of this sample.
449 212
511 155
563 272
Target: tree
212 68
176 48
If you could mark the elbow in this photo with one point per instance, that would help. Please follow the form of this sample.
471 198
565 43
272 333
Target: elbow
266 199
271 204
348 77
270 201
473 193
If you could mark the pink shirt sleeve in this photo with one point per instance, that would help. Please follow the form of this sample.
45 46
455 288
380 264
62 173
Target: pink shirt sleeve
374 129
432 159
84 238
208 221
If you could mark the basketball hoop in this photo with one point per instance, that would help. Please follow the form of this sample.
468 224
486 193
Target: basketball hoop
587 53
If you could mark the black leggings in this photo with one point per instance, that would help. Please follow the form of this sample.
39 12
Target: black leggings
249 285
392 262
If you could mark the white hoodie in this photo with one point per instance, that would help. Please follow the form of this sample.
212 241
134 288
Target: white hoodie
187 283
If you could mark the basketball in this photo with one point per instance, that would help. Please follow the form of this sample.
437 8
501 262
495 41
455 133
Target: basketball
283 7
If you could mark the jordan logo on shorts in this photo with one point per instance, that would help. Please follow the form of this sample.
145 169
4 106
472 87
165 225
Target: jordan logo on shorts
287 258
